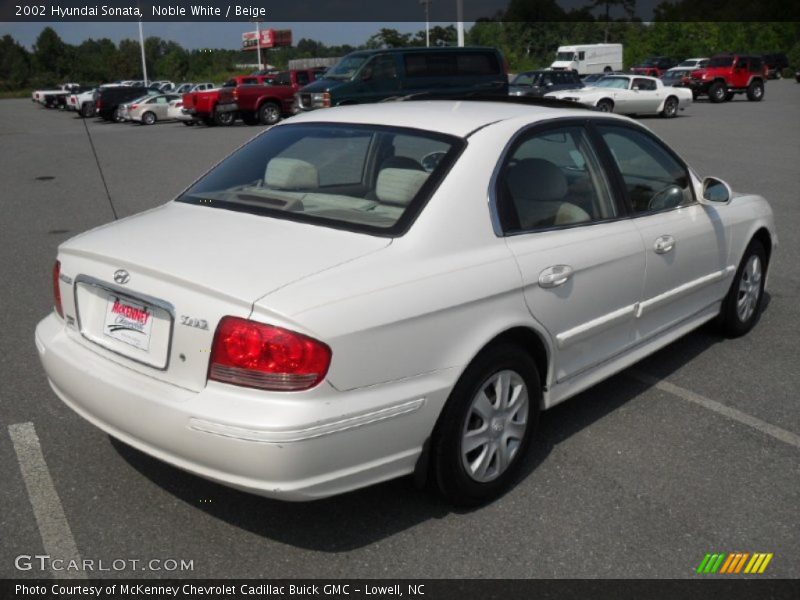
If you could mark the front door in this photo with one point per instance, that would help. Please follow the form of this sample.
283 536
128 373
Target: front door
685 242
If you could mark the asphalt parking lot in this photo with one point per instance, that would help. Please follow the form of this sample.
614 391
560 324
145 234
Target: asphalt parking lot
693 450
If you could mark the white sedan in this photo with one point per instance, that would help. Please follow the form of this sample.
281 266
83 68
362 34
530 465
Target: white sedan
630 95
371 291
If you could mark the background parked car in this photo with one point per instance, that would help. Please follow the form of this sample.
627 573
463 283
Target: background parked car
654 66
677 77
375 75
776 62
202 104
151 109
629 95
82 103
538 83
175 112
107 100
692 63
730 74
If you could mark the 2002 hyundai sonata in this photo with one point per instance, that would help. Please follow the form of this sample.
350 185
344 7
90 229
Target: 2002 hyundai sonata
395 288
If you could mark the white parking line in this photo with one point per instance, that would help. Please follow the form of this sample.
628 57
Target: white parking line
47 509
665 386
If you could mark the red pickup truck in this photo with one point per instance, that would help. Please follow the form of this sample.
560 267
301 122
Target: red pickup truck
266 103
203 106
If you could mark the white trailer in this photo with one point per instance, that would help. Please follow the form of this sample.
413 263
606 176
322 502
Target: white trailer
588 59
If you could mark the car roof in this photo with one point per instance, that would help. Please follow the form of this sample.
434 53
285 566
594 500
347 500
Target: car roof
450 117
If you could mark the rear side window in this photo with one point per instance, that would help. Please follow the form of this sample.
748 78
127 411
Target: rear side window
653 177
553 179
444 64
644 84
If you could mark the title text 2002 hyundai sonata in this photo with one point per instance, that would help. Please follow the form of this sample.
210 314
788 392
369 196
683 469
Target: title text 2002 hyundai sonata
379 290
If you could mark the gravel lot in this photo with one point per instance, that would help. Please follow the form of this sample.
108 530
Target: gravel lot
638 477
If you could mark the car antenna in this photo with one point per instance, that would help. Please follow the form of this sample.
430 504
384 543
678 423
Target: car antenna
100 169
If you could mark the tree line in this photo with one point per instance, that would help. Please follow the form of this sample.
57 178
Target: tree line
527 40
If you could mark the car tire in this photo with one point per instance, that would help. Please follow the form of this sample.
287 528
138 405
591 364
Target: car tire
269 113
117 117
755 91
729 96
501 430
224 119
605 105
148 118
741 307
717 92
87 110
188 123
208 121
671 105
250 119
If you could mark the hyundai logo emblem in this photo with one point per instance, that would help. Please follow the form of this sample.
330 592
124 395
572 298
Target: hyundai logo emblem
122 276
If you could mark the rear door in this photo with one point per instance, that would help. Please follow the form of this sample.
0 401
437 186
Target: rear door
581 260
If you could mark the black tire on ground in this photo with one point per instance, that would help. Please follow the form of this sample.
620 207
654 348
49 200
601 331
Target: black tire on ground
605 105
188 123
729 96
755 91
670 108
451 464
148 118
208 121
87 110
269 113
249 118
224 119
741 307
717 92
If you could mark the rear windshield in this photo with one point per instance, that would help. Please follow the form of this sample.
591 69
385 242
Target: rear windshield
364 178
721 61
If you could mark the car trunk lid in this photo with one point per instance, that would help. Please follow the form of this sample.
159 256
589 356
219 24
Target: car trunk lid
148 292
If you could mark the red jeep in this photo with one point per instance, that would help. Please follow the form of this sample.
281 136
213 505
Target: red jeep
203 105
266 103
729 74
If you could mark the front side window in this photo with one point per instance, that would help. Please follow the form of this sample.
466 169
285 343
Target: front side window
363 178
655 180
552 179
644 84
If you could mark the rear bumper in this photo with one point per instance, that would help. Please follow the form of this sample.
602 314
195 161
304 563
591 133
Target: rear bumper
298 446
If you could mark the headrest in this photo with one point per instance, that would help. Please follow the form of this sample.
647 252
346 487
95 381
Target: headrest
401 162
399 186
291 174
536 180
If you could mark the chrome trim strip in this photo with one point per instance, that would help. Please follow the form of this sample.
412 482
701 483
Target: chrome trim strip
588 329
142 298
682 290
278 436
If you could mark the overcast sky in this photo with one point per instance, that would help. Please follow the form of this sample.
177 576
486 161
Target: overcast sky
203 35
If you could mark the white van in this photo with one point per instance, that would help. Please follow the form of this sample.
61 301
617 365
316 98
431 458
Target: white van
588 59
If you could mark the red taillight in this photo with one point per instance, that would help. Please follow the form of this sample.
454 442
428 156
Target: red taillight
99 104
253 354
57 289
134 106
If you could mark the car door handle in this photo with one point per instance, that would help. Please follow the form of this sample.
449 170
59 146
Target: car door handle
555 276
664 244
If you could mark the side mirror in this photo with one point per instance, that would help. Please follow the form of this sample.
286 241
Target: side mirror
635 88
716 191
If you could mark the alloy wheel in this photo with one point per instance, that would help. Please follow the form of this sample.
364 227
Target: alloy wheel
749 289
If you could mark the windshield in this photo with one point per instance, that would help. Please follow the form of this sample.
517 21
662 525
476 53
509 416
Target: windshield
689 63
529 79
648 62
345 68
565 56
358 177
613 82
721 61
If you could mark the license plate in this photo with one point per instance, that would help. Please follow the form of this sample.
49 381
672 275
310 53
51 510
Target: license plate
128 322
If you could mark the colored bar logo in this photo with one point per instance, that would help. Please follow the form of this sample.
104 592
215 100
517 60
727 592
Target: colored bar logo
734 563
